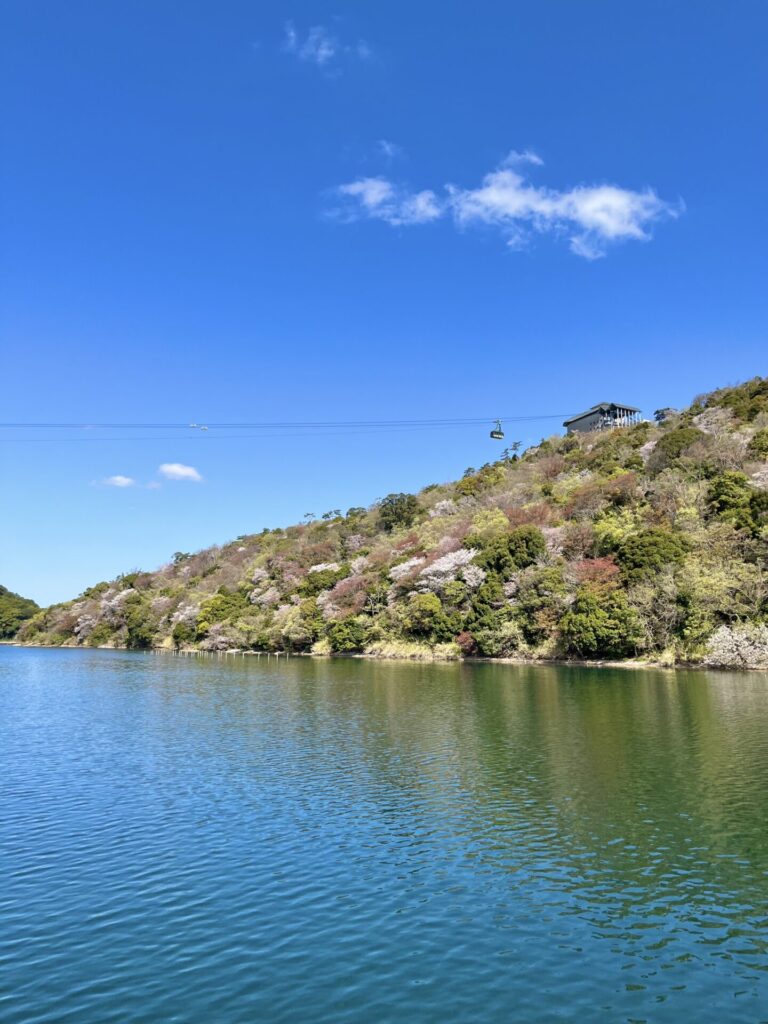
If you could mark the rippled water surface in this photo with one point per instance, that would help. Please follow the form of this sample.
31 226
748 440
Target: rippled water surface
206 841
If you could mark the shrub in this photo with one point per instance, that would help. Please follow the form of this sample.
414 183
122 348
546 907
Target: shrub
526 545
674 442
488 525
600 624
517 550
402 649
99 635
321 579
466 643
643 554
595 570
729 498
758 446
500 639
746 401
223 605
472 483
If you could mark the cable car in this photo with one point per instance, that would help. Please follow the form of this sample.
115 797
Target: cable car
497 433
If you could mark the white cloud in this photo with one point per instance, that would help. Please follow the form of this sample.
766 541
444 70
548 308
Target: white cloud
119 481
178 471
321 47
379 199
592 217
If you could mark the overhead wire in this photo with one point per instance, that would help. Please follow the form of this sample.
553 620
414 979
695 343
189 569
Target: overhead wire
287 429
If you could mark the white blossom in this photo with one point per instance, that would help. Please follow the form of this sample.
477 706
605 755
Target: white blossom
397 572
185 613
264 598
259 575
447 507
743 646
327 608
358 565
160 605
111 604
554 536
436 576
473 576
85 626
324 566
219 638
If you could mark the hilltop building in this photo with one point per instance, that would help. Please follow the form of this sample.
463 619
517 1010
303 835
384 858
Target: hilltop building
603 416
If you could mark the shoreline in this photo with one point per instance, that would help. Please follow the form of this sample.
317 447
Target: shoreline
644 664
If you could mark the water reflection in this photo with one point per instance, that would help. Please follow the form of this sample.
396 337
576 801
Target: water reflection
352 840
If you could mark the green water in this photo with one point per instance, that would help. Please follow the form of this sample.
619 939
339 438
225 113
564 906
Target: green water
207 841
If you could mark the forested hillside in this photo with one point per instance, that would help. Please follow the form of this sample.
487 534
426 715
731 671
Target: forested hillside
14 610
645 542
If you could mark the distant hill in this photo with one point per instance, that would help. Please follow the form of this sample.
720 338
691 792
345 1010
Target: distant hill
649 541
14 611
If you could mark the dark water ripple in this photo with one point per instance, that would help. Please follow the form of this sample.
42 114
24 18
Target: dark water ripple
200 840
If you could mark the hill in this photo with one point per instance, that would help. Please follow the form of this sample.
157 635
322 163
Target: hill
649 541
14 610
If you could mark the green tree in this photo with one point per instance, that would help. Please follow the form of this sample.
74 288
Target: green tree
183 634
425 619
223 605
487 601
729 498
398 511
539 602
14 610
348 635
140 623
600 624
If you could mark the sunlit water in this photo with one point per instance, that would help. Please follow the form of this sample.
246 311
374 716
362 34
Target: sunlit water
207 841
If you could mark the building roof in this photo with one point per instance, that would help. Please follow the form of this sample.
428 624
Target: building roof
600 407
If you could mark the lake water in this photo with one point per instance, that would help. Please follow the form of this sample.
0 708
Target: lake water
207 841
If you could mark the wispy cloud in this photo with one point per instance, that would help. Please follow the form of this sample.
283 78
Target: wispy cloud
321 47
119 481
527 156
591 217
379 199
178 471
389 150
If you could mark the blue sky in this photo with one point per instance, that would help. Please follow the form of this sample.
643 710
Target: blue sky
218 212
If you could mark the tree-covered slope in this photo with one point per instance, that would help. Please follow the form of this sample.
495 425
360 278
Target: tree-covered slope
14 611
649 541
